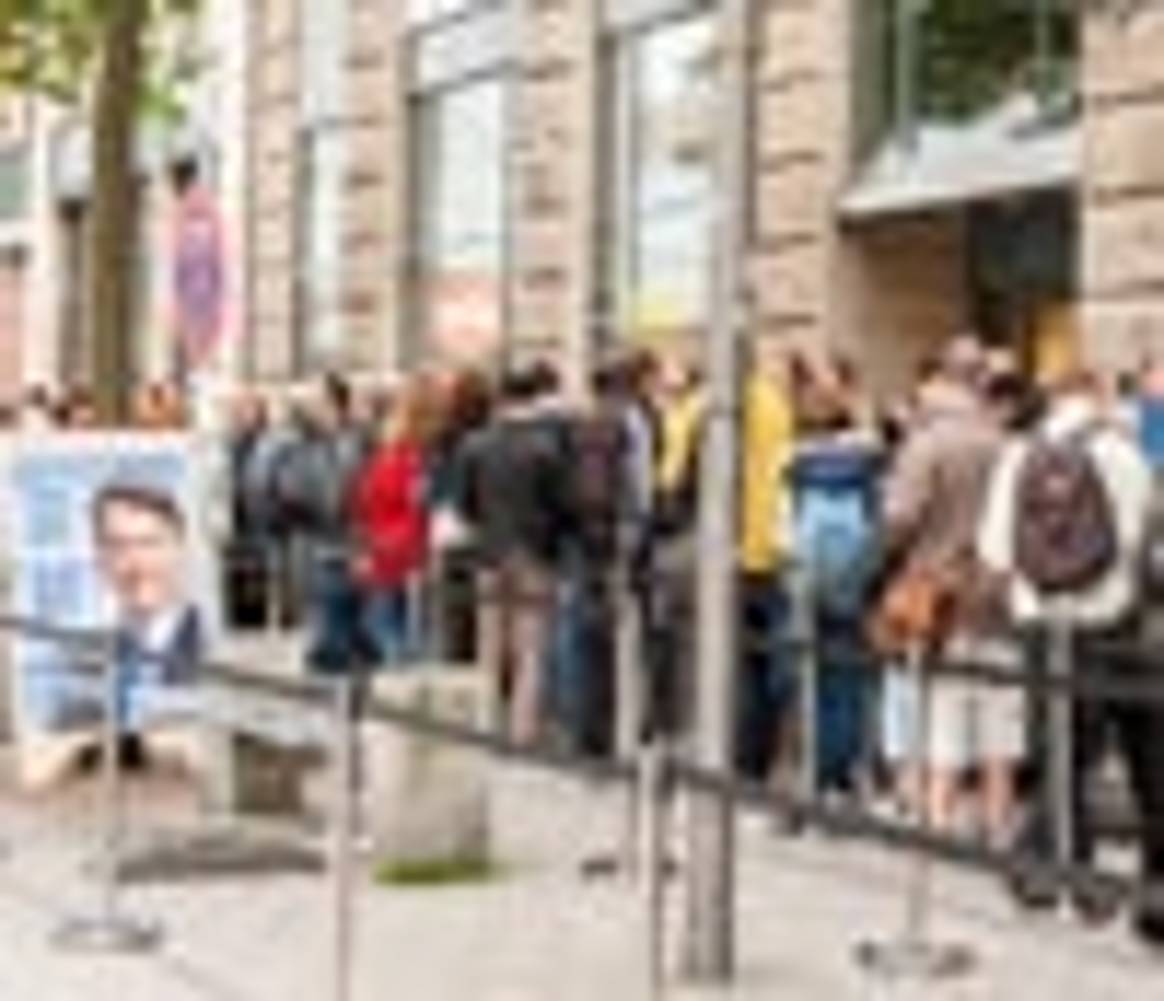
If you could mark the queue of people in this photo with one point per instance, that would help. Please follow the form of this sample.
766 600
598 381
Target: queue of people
510 523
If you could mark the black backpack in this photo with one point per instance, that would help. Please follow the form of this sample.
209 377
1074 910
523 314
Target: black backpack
1065 533
597 447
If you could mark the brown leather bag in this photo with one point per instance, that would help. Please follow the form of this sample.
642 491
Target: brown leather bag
917 610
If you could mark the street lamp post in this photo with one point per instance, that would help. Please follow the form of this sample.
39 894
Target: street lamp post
709 954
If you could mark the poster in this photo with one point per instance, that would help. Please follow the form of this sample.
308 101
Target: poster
106 531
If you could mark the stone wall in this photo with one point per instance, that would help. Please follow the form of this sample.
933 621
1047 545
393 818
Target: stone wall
552 174
1123 192
376 219
272 237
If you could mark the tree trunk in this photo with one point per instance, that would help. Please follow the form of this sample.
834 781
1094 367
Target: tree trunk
113 229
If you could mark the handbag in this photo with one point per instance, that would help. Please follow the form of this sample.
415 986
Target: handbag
918 610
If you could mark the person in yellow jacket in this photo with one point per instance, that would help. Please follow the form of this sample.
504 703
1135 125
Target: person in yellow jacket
767 685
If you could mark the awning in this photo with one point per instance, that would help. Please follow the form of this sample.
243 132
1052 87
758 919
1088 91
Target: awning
1016 148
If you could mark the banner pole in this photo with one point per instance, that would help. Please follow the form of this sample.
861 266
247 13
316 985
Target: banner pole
109 928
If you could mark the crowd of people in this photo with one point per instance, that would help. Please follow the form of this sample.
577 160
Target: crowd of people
507 522
155 406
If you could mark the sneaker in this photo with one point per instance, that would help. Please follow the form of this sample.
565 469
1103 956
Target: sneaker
1033 891
1148 926
1096 904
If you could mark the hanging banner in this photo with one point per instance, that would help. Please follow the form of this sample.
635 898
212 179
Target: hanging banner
199 277
106 531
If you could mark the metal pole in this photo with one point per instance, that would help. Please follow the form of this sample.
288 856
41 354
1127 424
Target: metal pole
805 636
905 59
709 953
343 834
109 929
915 954
652 785
1061 745
628 696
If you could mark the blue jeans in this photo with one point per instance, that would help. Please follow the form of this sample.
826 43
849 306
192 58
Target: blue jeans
842 704
766 693
337 640
388 624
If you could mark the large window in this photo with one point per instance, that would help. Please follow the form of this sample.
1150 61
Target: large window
460 158
428 11
952 61
13 183
659 216
320 191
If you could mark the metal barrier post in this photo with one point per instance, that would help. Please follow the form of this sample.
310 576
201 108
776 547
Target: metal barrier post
343 836
804 633
915 954
1061 742
629 700
110 928
652 788
276 573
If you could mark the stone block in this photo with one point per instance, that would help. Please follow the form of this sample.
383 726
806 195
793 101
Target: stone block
428 799
1123 55
1123 146
791 281
793 200
1117 332
794 119
1123 245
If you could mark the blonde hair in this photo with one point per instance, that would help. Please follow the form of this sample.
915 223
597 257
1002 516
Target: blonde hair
415 413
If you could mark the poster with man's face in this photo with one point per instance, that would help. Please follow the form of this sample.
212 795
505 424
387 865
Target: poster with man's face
106 532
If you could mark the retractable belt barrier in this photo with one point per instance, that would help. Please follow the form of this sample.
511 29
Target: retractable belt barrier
657 772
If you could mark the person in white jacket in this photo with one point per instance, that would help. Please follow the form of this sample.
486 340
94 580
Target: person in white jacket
1103 615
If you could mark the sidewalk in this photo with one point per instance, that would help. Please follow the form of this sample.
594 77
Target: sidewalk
540 933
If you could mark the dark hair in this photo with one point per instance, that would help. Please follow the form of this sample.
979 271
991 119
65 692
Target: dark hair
339 393
522 385
141 498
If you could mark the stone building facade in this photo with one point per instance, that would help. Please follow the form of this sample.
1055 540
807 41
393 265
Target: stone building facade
845 254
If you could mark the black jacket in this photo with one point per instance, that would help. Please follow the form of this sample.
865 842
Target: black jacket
511 485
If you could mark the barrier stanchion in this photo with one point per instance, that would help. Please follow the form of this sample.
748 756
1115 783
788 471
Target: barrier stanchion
628 700
915 954
1061 742
110 928
343 864
652 786
804 634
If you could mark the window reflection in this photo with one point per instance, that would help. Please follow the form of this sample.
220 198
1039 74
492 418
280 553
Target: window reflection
954 61
461 233
663 195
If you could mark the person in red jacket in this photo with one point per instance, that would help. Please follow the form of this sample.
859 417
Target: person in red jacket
391 520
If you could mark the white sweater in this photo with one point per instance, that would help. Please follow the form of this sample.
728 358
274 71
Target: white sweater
1128 478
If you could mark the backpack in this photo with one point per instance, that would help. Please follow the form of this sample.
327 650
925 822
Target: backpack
1152 553
255 480
1065 532
313 481
597 452
835 538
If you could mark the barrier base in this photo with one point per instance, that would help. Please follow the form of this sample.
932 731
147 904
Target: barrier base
916 960
108 934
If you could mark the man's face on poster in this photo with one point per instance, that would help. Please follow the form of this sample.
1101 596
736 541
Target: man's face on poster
141 551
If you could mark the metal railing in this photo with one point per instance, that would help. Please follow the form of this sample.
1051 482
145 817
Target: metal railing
653 771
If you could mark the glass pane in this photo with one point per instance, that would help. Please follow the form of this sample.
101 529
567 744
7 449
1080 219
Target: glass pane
670 166
461 237
423 11
322 54
13 183
322 276
966 57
